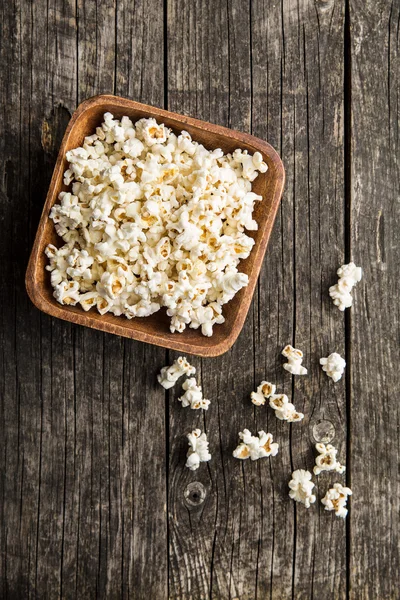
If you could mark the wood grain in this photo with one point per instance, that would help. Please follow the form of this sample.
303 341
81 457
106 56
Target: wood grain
374 235
85 512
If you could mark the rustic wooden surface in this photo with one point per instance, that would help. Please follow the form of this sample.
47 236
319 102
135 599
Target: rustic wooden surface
95 501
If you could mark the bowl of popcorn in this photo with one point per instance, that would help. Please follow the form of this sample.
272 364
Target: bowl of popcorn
155 226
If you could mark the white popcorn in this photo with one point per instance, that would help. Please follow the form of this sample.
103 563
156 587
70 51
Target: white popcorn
154 220
301 487
67 292
295 358
193 395
170 375
326 460
255 447
349 276
264 390
333 366
336 499
284 410
198 449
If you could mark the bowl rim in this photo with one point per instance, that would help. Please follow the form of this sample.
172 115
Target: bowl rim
85 318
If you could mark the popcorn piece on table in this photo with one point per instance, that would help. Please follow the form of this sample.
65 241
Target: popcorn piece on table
295 358
349 276
198 449
170 375
264 390
327 459
284 410
336 499
255 447
154 220
333 366
301 487
193 395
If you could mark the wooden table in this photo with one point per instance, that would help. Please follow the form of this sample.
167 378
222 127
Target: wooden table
95 498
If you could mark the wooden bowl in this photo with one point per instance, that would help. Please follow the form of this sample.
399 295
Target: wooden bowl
155 329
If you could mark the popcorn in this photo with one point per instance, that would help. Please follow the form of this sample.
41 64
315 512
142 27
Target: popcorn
193 395
198 449
295 358
349 276
336 499
301 487
255 447
264 390
170 375
284 410
327 461
333 366
154 220
67 292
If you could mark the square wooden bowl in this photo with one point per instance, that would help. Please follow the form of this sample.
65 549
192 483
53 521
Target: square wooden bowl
155 329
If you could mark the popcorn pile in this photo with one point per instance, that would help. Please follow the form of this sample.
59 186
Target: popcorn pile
349 276
153 220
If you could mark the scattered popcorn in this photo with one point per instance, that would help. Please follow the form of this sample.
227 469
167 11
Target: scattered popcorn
170 375
284 410
333 366
327 461
349 276
153 219
295 358
198 449
264 390
301 487
336 499
193 395
255 447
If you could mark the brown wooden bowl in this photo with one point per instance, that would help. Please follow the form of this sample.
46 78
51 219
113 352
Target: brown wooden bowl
155 329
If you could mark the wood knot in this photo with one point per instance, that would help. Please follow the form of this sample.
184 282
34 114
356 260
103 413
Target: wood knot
195 493
323 431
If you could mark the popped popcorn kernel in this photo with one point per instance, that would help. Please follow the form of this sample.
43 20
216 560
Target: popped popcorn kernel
295 358
198 449
255 447
336 499
168 376
327 459
301 488
349 276
333 366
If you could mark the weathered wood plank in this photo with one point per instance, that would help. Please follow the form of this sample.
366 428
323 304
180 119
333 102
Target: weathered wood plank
374 244
209 76
249 550
77 406
302 77
123 411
